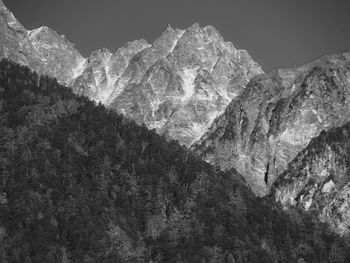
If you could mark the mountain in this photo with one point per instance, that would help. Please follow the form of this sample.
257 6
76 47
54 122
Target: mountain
275 118
317 180
176 85
80 183
41 49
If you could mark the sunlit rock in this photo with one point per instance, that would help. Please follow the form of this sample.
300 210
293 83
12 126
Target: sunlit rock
176 85
276 116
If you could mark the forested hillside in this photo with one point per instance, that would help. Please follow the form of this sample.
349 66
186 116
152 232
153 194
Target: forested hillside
80 183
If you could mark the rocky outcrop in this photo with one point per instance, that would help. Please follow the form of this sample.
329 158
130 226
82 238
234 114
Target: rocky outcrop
317 180
42 49
275 118
182 82
102 70
176 85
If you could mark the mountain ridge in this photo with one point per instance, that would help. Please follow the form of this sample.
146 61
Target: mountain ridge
38 48
182 81
294 105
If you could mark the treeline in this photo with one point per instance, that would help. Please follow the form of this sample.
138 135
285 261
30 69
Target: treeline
80 183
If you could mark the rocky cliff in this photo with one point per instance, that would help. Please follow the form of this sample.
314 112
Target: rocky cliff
317 180
275 118
177 85
42 49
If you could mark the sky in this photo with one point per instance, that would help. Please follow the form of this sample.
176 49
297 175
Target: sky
276 33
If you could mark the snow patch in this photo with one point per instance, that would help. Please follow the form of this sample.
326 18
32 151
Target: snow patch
78 70
188 76
197 130
111 78
211 118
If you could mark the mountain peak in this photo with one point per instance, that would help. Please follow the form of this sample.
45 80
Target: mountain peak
42 49
161 85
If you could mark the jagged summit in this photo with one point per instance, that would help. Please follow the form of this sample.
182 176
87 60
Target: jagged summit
177 85
167 79
42 49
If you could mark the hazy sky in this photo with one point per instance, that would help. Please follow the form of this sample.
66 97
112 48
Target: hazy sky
276 33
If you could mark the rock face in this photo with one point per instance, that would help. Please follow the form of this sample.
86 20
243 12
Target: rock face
41 49
318 181
275 118
177 85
